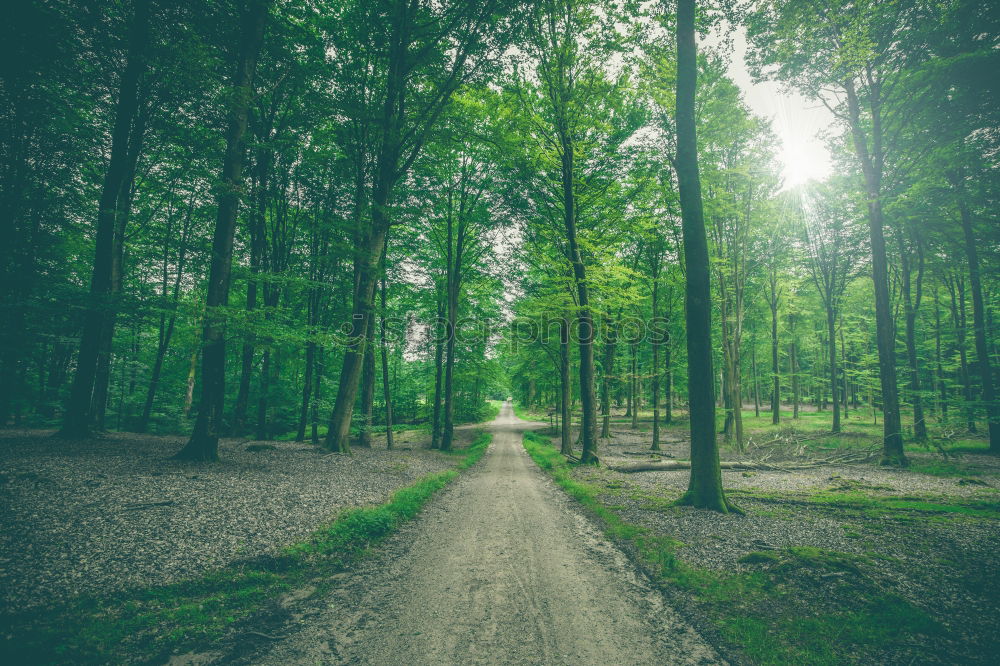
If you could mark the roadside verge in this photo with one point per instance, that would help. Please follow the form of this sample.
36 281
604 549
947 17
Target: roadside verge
143 624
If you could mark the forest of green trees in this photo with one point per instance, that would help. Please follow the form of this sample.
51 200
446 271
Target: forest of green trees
267 218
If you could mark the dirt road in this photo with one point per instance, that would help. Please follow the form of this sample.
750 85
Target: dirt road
500 569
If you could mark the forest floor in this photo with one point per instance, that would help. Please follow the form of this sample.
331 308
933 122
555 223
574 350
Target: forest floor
500 569
103 515
832 562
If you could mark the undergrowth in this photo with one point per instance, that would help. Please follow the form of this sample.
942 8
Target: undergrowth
152 622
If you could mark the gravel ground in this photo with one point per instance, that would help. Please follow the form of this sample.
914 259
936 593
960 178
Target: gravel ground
106 514
942 565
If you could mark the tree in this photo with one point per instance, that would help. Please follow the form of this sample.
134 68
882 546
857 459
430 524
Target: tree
705 486
834 259
204 441
825 49
414 92
126 137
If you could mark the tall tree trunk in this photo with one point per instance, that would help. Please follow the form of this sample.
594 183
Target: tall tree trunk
438 373
78 419
585 320
793 368
705 485
337 436
775 369
263 394
634 386
831 331
942 391
318 383
368 391
656 369
911 297
843 366
979 321
204 441
307 385
247 353
456 250
608 367
756 383
956 288
668 388
166 324
386 393
892 441
566 389
189 393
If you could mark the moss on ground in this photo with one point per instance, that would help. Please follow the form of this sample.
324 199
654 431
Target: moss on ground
147 623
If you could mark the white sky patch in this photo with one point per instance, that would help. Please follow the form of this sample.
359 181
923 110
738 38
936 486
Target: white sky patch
797 121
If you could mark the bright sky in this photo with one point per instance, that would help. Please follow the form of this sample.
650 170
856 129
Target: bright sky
796 121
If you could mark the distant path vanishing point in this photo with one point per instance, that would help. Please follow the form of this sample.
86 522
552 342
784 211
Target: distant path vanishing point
499 569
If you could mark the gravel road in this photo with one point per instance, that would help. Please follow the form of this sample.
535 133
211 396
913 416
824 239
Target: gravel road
500 569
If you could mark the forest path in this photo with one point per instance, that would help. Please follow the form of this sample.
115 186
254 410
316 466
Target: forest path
499 569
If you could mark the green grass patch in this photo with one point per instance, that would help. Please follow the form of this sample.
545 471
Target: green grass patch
530 413
151 622
764 612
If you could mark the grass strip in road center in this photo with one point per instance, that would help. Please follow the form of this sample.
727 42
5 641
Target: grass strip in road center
151 623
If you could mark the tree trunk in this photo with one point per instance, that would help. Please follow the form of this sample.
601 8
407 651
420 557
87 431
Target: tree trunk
166 328
204 441
668 388
656 370
318 382
775 369
634 386
756 384
911 304
960 320
979 322
942 391
608 371
793 368
438 373
892 442
189 393
337 437
307 384
247 354
705 485
831 330
386 393
566 443
843 366
263 394
78 420
585 321
368 391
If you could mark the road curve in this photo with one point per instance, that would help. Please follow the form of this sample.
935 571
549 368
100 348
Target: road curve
499 569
